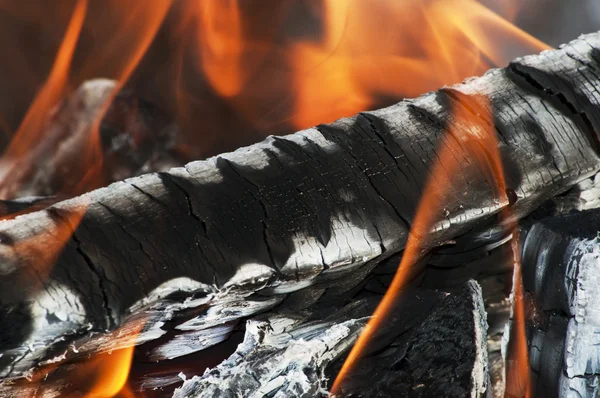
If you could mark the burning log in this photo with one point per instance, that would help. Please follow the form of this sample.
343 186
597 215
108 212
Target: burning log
560 272
299 219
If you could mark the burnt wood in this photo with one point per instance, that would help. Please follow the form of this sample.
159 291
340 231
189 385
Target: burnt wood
561 264
432 345
295 219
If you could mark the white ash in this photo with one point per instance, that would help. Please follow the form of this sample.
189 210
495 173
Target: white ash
582 344
273 361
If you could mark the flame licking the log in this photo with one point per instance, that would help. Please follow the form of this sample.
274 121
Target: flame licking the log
103 375
271 69
277 68
475 135
106 374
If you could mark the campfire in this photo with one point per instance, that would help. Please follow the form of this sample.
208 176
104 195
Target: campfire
385 224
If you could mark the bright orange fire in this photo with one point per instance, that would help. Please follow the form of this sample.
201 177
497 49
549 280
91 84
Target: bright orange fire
136 25
53 90
366 51
338 58
110 372
480 146
269 69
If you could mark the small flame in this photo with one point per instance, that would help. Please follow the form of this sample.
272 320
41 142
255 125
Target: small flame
106 374
111 371
518 383
478 143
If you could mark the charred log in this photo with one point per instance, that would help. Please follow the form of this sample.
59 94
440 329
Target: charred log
301 218
560 273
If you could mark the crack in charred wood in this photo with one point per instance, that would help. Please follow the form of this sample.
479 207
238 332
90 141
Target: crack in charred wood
188 201
98 272
112 320
369 179
588 127
148 195
383 142
134 239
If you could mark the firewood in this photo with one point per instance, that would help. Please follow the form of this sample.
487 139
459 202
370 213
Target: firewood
434 345
304 218
560 275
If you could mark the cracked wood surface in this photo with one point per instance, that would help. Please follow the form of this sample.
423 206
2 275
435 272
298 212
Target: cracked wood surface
307 215
433 345
561 264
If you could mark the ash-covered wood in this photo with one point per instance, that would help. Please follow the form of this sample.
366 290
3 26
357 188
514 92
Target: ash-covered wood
303 217
561 274
433 345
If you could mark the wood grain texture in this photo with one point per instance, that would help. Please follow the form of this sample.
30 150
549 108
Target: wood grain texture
302 217
561 264
433 345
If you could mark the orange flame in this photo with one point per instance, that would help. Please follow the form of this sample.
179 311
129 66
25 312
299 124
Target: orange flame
127 30
518 383
479 144
366 51
221 50
52 90
137 24
106 373
111 371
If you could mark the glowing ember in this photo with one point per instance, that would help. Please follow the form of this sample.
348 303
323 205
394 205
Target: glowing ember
479 146
110 372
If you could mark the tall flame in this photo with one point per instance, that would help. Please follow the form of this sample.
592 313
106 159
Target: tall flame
518 383
221 50
52 90
137 24
480 145
127 33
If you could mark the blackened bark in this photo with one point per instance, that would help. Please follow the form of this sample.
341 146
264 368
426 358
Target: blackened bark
561 258
304 216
